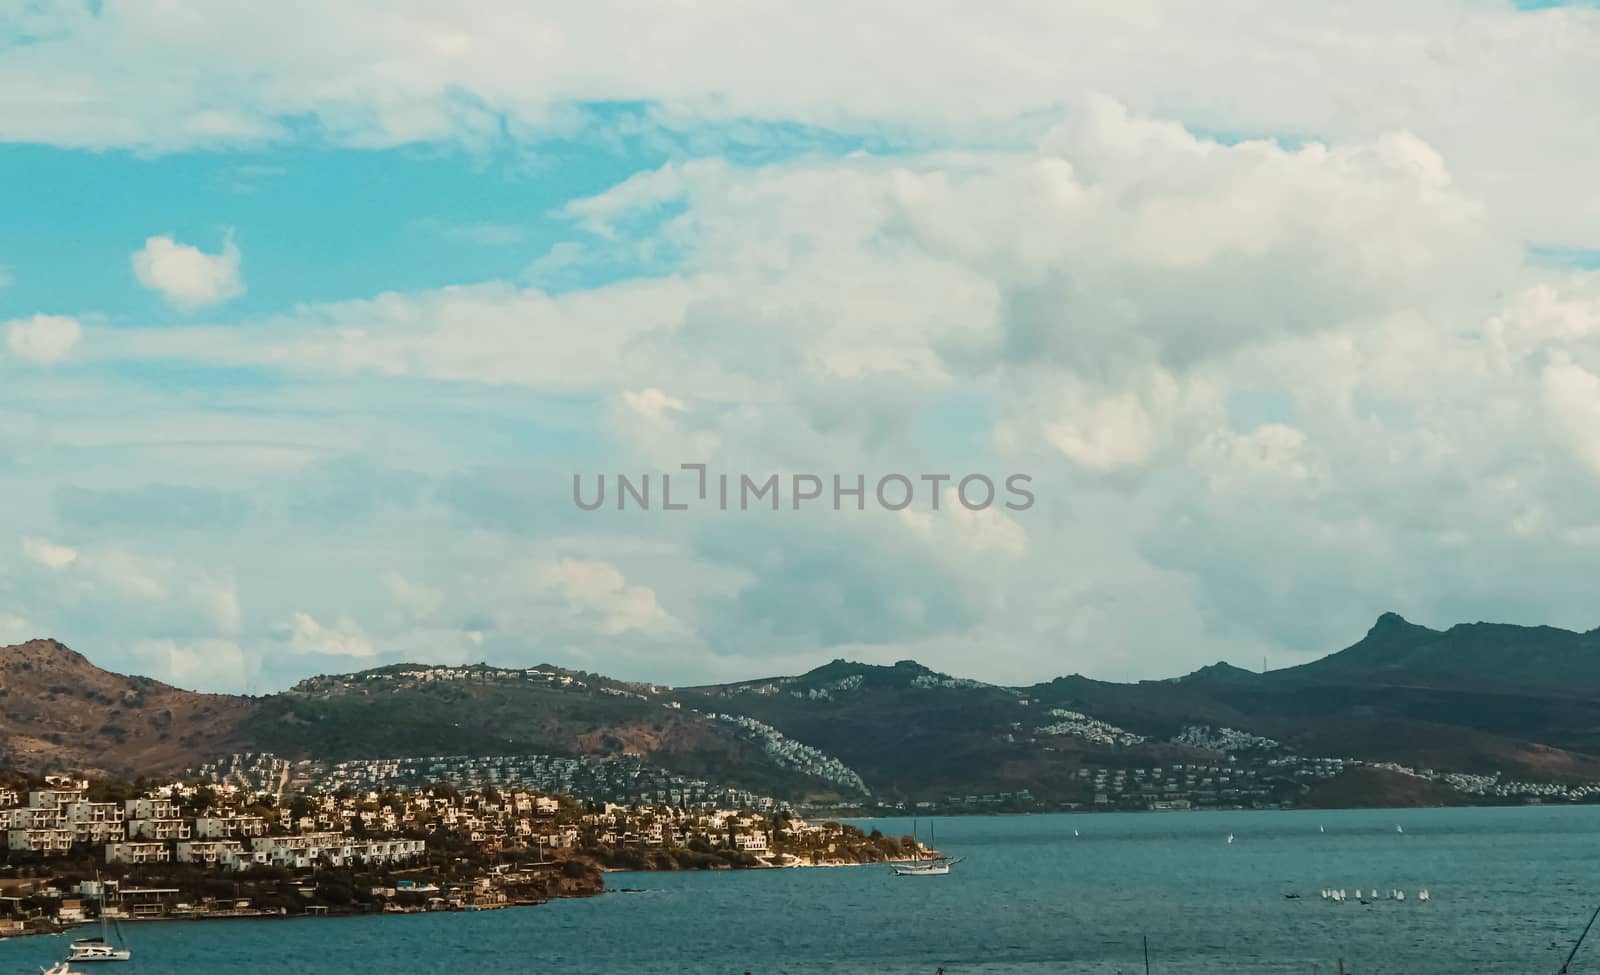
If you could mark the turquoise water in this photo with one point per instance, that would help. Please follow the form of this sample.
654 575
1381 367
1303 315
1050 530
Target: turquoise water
1511 889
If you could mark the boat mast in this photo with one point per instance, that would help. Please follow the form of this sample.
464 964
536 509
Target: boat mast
1575 947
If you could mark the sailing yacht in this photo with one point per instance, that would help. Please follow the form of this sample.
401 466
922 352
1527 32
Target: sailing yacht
937 867
59 968
98 949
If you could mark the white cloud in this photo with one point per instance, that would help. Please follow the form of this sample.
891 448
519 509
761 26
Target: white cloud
186 276
126 572
209 665
43 338
218 599
343 639
597 592
652 404
420 602
1273 387
1572 397
16 629
958 532
492 71
49 554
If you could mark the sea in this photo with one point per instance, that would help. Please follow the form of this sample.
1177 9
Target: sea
1511 890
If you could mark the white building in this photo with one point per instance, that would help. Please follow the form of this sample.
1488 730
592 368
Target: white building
39 840
93 812
229 827
130 852
151 809
230 854
159 829
750 842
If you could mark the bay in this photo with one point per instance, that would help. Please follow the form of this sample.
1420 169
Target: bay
1511 890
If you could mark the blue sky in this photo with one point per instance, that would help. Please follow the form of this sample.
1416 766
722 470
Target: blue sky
302 339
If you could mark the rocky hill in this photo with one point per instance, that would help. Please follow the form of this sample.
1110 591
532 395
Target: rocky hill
60 712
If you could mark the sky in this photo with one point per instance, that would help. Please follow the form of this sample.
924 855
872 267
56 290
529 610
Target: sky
310 313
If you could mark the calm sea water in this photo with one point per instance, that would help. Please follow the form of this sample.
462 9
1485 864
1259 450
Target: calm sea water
1512 888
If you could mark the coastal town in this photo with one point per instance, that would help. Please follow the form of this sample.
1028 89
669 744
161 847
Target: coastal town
198 849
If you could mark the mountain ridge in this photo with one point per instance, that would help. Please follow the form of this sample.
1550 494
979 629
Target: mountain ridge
1478 698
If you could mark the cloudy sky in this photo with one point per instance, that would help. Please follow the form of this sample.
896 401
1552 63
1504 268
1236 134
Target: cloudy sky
310 312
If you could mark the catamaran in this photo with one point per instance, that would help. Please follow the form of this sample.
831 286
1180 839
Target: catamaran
101 948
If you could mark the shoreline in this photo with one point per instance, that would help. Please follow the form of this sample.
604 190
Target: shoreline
267 916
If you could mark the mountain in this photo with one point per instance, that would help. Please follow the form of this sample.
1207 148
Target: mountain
1494 657
1480 698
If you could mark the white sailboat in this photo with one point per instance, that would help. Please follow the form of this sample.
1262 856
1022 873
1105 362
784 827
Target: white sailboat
101 948
937 867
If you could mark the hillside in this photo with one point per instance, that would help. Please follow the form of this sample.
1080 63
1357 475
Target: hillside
60 712
1489 700
414 710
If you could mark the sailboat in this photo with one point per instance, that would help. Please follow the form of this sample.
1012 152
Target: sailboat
937 867
98 949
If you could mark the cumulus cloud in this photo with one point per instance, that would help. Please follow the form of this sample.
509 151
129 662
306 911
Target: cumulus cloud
186 276
344 638
49 554
598 593
43 338
419 601
1356 70
218 600
652 404
211 665
1273 385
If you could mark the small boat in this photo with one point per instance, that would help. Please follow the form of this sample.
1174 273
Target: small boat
1322 829
1291 897
59 968
1422 894
1399 829
1230 837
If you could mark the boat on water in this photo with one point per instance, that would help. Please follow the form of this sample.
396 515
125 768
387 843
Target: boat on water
59 968
96 949
936 867
101 948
